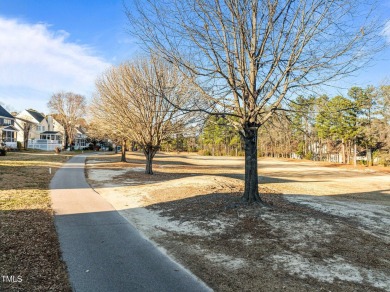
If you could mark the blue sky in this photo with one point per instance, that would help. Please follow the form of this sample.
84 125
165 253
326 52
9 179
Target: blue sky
53 45
49 46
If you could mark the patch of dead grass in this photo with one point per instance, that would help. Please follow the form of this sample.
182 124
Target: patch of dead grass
232 246
29 245
266 240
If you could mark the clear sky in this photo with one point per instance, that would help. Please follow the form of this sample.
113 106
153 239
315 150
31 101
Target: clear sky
52 45
48 46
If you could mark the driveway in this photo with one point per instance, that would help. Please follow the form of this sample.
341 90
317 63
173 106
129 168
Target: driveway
102 250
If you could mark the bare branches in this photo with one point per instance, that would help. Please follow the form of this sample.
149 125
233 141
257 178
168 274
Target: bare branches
68 108
244 57
137 98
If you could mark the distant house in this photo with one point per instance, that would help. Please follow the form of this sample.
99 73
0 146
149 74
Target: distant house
34 118
45 132
8 131
81 138
55 125
54 132
44 135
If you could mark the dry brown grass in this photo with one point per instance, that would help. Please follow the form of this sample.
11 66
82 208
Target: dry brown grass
29 247
193 210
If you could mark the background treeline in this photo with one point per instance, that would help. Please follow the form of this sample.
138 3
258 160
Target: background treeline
342 129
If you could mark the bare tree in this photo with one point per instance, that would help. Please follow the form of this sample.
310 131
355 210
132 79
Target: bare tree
247 56
68 109
104 125
137 98
26 125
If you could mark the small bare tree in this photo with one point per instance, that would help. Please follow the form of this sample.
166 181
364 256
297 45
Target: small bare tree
247 56
68 109
139 97
26 125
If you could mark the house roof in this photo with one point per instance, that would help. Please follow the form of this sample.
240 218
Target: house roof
51 133
24 120
36 115
9 128
81 130
4 113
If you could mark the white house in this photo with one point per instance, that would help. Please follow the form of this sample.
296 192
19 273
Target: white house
44 135
36 118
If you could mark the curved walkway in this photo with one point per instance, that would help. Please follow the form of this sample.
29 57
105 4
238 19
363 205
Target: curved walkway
102 250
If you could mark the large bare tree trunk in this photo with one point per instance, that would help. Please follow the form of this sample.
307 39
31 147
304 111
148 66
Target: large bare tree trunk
66 140
25 138
149 153
123 151
251 192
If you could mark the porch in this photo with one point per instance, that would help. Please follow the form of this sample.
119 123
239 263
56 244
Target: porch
9 136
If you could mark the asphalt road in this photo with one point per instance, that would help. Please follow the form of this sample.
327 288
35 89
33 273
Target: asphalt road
102 250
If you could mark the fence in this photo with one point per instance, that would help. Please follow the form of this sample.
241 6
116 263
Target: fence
46 145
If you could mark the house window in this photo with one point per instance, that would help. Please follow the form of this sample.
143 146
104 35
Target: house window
8 136
40 128
7 122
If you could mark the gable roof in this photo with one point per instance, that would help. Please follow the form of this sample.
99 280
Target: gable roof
81 130
4 113
9 128
51 133
36 115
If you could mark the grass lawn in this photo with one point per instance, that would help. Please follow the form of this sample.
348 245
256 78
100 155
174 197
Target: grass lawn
328 232
29 247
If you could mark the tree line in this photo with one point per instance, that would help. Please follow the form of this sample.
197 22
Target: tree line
338 129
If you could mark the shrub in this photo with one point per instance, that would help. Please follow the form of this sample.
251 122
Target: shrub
19 145
57 150
309 155
382 158
3 152
204 152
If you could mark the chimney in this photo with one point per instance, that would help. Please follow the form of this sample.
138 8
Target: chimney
50 123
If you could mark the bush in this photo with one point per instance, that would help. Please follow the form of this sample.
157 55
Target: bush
57 150
204 152
309 155
19 145
3 152
382 158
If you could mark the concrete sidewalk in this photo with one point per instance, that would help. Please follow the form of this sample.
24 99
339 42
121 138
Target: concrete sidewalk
102 250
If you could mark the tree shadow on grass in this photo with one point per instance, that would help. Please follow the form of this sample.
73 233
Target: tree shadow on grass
29 248
255 234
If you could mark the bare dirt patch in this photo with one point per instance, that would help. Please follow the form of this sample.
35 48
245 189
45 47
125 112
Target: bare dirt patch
304 241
